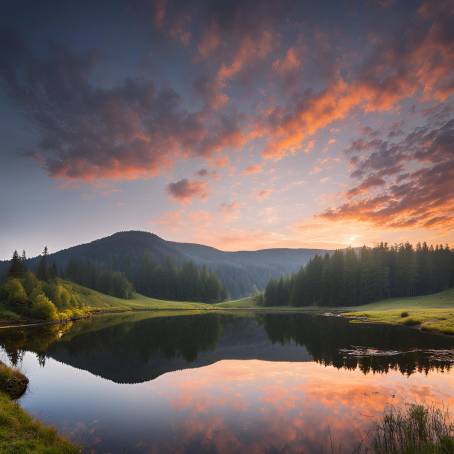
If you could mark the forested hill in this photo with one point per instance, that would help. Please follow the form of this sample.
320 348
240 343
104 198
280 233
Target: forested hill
241 272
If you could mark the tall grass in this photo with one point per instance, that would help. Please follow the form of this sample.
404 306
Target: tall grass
414 430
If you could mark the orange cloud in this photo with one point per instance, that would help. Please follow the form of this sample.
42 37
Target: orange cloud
264 193
287 64
252 169
407 198
210 41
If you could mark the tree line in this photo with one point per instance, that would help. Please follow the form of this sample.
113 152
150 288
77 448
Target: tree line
353 277
164 280
180 282
41 296
91 275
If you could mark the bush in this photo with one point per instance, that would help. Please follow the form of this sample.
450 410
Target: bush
59 295
404 314
12 381
411 322
16 296
43 308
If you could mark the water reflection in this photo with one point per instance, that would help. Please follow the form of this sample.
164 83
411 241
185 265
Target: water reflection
331 341
223 383
140 347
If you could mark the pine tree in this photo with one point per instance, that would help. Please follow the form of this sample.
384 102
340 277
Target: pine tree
43 267
17 267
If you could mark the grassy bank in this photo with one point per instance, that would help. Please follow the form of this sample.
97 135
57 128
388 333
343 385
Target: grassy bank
94 301
429 312
20 432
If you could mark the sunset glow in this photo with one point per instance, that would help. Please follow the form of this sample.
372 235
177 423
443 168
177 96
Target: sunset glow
240 125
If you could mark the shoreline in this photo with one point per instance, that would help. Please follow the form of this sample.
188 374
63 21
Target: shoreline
321 311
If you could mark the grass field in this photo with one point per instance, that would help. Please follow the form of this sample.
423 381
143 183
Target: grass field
95 301
243 303
430 312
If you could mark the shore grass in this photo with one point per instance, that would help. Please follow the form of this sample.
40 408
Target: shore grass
22 434
414 430
429 312
243 303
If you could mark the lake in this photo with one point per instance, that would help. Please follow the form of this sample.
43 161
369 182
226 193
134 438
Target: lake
253 383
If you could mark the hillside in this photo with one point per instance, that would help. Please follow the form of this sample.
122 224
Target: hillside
242 272
96 301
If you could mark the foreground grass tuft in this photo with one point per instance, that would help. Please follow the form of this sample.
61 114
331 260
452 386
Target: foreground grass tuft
22 434
12 381
19 432
415 430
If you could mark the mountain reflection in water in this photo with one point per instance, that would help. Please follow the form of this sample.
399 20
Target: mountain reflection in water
137 348
219 383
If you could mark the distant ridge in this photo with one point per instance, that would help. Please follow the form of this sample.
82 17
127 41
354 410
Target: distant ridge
242 272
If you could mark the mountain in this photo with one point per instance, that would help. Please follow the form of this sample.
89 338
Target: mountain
242 272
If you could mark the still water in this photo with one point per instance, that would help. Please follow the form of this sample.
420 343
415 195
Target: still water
225 383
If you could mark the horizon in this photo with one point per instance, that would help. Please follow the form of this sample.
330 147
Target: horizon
236 125
221 250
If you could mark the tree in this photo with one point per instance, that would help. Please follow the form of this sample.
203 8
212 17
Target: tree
43 267
17 267
16 295
43 309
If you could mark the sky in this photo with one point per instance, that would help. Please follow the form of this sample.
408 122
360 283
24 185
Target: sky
236 124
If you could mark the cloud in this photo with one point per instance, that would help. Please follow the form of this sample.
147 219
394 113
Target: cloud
418 63
179 29
252 169
290 62
205 173
249 50
264 193
209 41
418 190
171 220
159 12
185 190
230 211
131 130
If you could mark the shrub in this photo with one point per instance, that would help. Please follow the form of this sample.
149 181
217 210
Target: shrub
411 322
12 381
43 309
404 314
58 294
16 294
